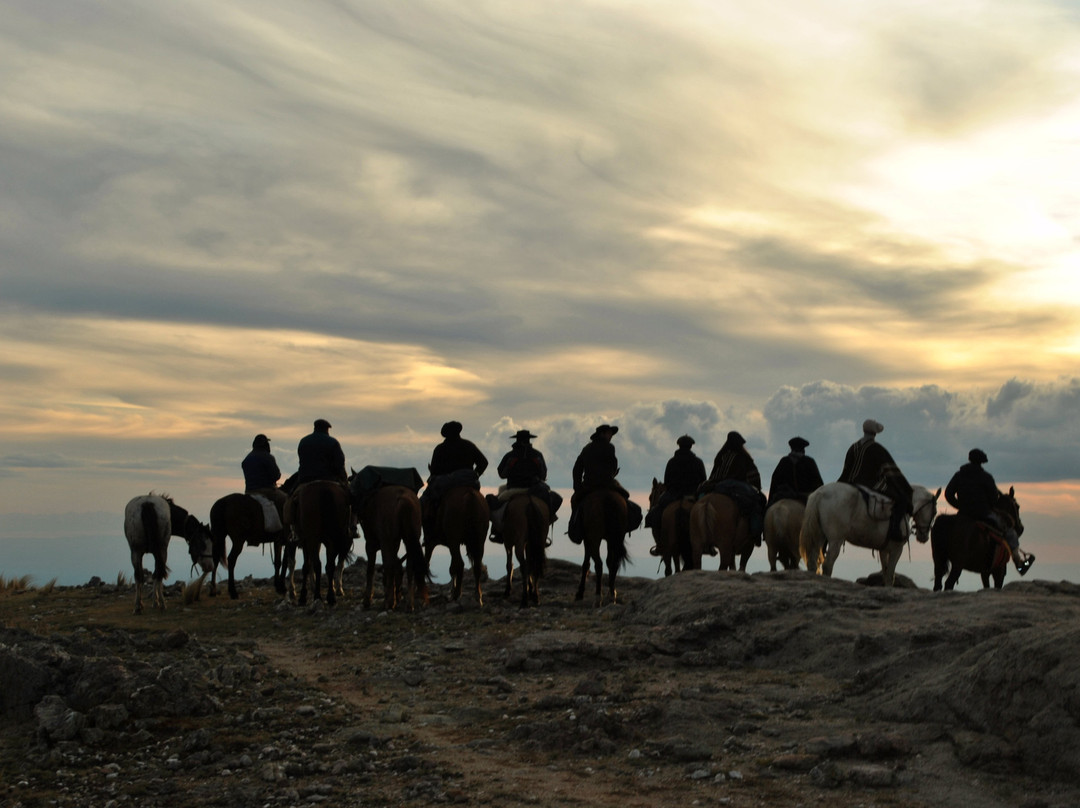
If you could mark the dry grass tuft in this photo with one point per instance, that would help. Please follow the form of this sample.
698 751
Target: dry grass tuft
121 580
13 586
48 588
193 590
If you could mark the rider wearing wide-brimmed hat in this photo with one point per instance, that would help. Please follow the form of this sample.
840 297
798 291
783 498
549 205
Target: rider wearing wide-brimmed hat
868 463
454 462
596 468
974 493
524 469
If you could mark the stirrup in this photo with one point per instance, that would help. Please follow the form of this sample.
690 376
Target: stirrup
654 550
1025 565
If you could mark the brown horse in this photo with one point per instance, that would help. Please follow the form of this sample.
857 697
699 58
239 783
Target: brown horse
241 517
320 515
524 532
959 543
390 516
783 522
717 525
672 534
603 519
462 520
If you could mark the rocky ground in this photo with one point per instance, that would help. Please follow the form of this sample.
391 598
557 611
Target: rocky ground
703 689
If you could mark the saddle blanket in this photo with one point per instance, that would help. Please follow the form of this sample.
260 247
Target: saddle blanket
878 506
271 521
371 477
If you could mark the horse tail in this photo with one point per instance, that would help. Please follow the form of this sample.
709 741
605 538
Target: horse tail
536 544
940 538
682 536
409 530
615 531
218 530
475 530
156 543
812 537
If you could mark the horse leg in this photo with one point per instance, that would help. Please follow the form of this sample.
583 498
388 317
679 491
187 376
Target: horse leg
509 569
526 579
136 563
612 572
331 564
986 580
954 576
277 555
234 553
457 572
890 557
160 571
584 574
369 584
598 600
831 554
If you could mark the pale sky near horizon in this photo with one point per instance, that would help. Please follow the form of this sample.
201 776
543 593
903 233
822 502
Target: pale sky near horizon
218 219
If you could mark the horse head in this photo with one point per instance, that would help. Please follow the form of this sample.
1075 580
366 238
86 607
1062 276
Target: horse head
924 509
1008 507
658 489
200 544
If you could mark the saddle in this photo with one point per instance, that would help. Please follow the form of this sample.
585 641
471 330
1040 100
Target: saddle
1002 553
878 506
271 520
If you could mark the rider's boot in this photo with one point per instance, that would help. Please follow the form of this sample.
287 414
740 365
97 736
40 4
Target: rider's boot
1022 560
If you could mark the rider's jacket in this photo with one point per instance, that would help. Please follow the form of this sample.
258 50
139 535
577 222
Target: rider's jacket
972 491
260 470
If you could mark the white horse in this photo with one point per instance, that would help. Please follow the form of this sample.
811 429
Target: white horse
149 521
838 513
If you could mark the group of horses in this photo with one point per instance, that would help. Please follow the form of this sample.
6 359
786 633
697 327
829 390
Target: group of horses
815 532
323 517
322 520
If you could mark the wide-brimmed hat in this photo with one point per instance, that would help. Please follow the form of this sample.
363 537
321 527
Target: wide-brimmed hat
977 456
605 428
522 435
872 427
797 443
450 428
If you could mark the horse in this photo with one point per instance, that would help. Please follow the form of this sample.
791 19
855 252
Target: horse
149 522
672 534
838 513
390 516
960 543
241 516
783 523
718 525
320 515
524 532
462 520
603 518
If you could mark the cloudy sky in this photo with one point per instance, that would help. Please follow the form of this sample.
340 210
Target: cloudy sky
218 219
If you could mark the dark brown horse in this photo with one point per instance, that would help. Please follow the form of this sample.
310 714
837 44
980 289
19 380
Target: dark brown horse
524 532
716 524
390 517
671 532
462 520
603 519
320 515
960 543
241 517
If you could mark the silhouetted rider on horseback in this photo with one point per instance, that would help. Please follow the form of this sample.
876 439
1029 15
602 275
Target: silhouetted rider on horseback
796 476
974 493
261 474
683 474
733 463
455 461
596 468
320 456
869 464
524 469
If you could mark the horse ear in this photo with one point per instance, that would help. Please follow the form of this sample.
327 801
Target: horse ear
1012 491
655 481
937 495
